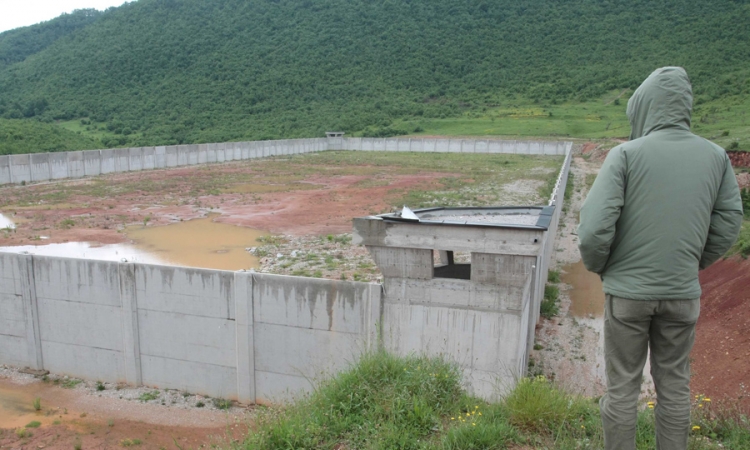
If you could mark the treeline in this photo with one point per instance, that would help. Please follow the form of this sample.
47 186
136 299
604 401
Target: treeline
28 136
177 71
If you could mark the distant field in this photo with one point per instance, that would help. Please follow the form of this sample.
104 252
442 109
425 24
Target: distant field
723 121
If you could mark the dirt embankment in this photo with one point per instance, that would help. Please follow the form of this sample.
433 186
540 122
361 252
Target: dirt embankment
739 159
721 356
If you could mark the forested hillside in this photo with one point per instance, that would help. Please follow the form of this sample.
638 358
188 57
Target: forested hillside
175 71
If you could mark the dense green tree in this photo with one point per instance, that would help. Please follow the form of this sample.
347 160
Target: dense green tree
169 71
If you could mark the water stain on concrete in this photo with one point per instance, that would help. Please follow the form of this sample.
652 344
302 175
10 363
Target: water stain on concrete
586 296
199 243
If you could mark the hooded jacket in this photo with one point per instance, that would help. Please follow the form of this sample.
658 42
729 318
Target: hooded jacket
665 204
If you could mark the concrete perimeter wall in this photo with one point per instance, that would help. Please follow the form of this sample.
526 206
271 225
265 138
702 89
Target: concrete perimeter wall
38 167
240 335
259 337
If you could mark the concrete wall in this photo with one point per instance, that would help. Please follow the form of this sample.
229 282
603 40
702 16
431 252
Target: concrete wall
55 166
240 335
259 337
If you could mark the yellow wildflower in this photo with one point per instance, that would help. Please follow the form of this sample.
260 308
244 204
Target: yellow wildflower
706 399
696 428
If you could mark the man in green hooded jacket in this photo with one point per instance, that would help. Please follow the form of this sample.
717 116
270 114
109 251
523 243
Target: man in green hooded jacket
665 205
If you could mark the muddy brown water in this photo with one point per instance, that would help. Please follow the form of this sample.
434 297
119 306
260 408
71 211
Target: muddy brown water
199 243
202 243
586 295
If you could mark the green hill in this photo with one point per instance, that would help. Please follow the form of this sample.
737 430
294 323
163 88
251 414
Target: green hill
168 71
28 136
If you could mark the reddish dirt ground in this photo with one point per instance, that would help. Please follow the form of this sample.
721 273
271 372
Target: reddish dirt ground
69 418
739 159
721 356
281 203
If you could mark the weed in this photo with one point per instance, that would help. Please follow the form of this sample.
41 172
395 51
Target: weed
222 404
149 396
130 442
70 383
549 307
77 444
56 422
100 386
200 404
23 433
34 424
37 403
110 422
66 224
553 276
538 347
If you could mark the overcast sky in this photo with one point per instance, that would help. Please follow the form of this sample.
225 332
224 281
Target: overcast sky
21 13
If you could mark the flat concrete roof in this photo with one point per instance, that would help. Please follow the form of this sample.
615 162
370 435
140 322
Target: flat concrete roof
527 217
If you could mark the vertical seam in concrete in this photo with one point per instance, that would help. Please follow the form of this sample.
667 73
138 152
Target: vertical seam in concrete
33 335
131 333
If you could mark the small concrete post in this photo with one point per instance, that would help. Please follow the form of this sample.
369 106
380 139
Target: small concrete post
131 348
31 311
244 329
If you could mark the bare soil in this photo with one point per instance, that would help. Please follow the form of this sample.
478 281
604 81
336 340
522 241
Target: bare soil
721 355
77 418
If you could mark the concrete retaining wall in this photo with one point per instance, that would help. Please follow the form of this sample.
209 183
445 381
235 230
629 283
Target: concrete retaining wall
55 166
240 335
258 337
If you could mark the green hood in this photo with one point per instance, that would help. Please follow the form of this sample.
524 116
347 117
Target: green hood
664 100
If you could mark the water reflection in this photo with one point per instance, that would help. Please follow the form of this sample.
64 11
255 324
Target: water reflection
586 296
196 243
5 222
87 250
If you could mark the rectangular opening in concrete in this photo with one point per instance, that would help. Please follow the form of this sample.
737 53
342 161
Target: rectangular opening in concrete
453 264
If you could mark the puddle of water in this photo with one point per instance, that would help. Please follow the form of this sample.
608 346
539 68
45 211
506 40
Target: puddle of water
86 250
16 409
5 222
199 243
196 243
586 296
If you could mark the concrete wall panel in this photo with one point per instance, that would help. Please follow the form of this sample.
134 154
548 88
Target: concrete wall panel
187 337
107 161
136 159
310 303
5 169
200 292
80 324
190 154
391 144
403 145
14 351
494 147
76 165
171 156
88 362
454 146
160 157
221 153
481 147
205 379
303 352
122 160
202 153
77 280
275 388
58 165
92 163
40 170
211 153
149 158
20 168
182 155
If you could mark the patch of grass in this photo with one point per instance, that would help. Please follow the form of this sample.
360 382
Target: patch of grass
221 403
130 442
100 386
70 383
200 404
553 276
22 433
382 402
549 307
34 424
742 246
149 396
37 404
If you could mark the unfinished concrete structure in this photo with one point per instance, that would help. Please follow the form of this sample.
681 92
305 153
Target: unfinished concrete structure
480 314
258 337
